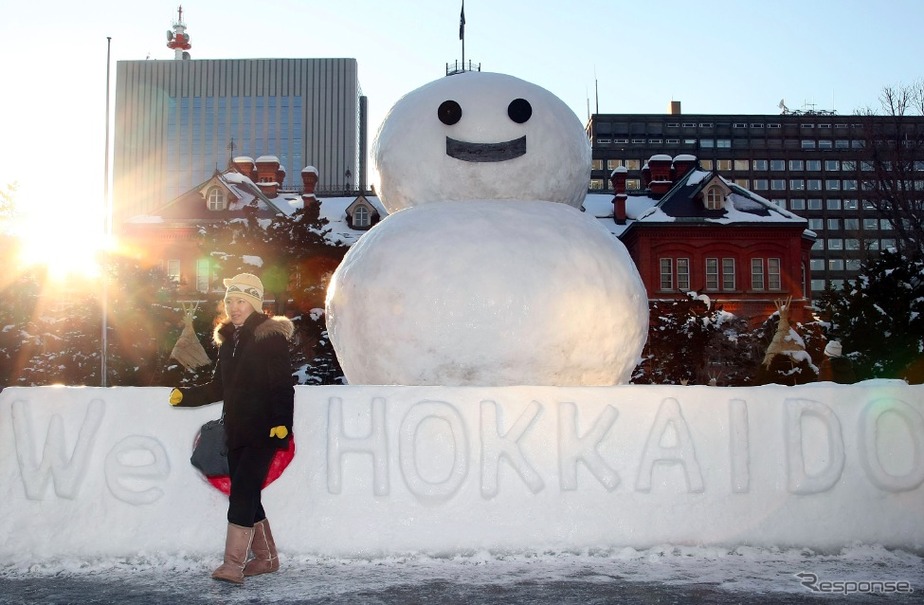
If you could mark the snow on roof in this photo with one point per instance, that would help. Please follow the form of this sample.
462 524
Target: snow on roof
743 206
233 176
334 210
697 176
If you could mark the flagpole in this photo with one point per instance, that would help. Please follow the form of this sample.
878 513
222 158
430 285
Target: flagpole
462 32
107 232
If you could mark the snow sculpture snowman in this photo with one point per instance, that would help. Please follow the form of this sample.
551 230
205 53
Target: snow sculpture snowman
486 272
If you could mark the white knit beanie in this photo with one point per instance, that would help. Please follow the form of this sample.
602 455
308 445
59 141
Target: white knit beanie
833 349
247 286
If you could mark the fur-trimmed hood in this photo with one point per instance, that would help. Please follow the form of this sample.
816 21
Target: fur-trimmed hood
267 326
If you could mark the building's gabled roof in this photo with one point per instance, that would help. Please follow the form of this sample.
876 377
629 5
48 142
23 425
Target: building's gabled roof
248 192
192 205
682 203
362 199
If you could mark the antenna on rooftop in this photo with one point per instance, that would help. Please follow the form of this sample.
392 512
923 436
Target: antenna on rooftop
230 149
178 39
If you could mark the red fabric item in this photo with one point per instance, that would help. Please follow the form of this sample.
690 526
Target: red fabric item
280 461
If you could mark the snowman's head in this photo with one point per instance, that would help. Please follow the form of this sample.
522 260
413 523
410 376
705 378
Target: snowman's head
481 136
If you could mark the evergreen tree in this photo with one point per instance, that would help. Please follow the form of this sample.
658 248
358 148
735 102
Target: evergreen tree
62 344
301 243
879 318
19 332
733 352
679 332
313 356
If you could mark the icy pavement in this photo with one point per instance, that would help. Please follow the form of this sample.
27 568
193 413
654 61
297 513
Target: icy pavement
669 574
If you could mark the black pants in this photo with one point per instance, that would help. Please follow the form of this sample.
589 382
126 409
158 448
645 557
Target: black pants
248 467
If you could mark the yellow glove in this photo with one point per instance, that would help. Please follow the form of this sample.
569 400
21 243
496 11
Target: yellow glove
279 431
175 396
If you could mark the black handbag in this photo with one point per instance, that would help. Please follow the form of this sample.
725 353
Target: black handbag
210 449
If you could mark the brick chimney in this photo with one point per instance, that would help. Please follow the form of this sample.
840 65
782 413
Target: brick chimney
281 175
683 164
618 179
244 164
268 174
309 200
660 174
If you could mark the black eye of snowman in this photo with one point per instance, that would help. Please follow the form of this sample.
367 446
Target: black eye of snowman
519 110
449 112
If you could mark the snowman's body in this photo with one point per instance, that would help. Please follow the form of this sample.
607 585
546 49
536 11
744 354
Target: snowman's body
486 272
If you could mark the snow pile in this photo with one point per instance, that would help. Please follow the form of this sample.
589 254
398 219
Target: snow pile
89 472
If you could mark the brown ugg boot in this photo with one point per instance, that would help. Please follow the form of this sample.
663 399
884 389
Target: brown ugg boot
237 546
265 558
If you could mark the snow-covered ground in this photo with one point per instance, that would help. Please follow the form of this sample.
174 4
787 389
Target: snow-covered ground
666 574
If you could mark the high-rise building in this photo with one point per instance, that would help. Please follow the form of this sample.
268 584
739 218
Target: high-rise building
813 163
176 122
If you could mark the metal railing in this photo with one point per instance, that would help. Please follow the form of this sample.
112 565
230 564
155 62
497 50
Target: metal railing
457 67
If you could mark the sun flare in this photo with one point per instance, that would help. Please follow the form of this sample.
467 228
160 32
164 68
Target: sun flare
67 246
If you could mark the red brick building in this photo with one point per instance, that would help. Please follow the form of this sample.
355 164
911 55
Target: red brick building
693 230
168 238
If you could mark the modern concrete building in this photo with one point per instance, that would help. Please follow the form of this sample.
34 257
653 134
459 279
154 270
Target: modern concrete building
813 163
177 122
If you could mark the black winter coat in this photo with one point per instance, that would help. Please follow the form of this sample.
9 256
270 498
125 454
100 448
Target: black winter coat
254 379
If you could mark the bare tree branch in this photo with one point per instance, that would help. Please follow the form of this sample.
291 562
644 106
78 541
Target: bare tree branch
891 170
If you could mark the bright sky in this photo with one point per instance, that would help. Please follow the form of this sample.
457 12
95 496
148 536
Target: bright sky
715 56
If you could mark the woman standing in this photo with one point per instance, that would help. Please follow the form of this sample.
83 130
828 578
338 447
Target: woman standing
253 376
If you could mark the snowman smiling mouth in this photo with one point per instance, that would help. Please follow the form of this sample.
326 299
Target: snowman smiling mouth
485 152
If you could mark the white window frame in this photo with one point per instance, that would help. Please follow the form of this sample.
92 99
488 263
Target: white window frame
361 216
666 283
215 199
203 275
715 200
757 274
173 270
712 274
683 274
728 274
774 274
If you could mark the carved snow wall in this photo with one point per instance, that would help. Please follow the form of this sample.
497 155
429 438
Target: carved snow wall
389 469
